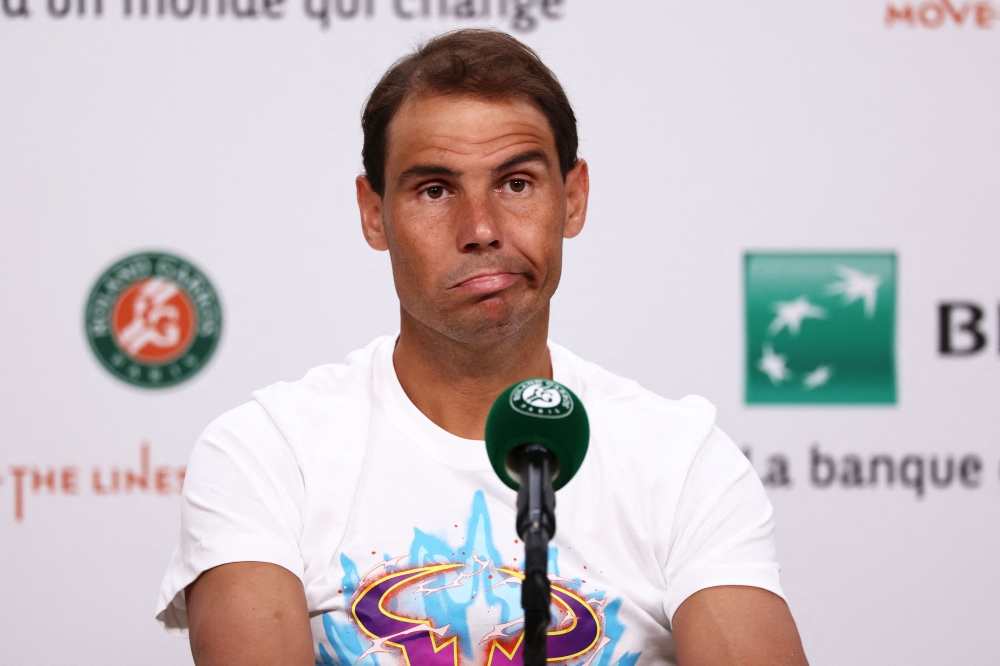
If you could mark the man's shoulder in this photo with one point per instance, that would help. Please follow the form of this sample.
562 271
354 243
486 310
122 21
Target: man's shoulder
333 395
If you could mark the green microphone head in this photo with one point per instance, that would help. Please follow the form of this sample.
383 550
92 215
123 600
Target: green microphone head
537 411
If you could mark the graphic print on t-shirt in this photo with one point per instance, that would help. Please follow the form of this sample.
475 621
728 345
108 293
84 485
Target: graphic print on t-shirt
444 605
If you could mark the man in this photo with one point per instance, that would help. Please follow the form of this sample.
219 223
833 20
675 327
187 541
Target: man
353 517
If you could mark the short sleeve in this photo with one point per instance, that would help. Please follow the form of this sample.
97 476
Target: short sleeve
242 501
723 528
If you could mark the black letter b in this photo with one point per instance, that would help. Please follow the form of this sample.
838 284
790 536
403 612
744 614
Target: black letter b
976 339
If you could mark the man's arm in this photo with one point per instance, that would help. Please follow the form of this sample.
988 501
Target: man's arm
249 614
719 626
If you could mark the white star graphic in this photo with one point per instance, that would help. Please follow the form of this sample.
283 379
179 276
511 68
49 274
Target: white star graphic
818 377
791 314
854 285
773 365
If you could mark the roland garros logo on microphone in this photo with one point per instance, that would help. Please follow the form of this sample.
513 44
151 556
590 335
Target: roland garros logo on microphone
153 319
542 398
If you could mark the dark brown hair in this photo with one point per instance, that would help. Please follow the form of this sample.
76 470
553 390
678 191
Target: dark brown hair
482 63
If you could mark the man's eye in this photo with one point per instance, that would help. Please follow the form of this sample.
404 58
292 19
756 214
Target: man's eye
517 185
435 192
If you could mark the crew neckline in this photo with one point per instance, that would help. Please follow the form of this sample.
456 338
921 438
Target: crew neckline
438 442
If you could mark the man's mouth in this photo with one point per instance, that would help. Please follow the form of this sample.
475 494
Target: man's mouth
485 283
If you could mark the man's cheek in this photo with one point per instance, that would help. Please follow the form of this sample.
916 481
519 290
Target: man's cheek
538 245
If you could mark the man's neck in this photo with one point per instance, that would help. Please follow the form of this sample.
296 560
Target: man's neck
454 384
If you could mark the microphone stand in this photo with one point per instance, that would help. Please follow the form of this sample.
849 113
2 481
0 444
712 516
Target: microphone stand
536 524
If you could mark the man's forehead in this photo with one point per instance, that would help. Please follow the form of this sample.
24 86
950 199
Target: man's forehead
465 128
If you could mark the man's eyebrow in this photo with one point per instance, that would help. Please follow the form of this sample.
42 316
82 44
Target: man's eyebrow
517 160
426 171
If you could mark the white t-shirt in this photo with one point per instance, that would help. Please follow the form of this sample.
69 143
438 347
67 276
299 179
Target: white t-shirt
404 537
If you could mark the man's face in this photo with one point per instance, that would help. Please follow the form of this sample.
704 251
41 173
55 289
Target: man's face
473 215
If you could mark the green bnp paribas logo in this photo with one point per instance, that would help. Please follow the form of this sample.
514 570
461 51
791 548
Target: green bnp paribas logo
820 328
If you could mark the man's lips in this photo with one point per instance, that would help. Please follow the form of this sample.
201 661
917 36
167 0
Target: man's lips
487 283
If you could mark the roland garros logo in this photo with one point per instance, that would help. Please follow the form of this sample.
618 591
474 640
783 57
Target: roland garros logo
542 398
153 319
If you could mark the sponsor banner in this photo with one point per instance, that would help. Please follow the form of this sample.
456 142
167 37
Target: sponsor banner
794 214
820 328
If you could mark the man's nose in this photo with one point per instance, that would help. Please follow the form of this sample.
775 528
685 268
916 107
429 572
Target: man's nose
478 227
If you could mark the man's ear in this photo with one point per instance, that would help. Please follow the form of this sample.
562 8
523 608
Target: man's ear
577 193
370 206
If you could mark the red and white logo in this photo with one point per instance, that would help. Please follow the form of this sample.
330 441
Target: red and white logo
154 321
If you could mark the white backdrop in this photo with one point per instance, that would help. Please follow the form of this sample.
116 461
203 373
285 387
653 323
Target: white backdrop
712 129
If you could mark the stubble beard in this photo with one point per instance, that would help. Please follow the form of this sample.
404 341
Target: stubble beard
492 320
485 323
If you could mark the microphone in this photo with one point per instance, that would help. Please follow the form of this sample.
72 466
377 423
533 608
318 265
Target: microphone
537 434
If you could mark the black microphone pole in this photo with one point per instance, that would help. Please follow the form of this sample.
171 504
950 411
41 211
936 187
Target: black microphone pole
537 433
536 525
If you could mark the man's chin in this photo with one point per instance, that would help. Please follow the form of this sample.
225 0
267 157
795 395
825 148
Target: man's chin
488 322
